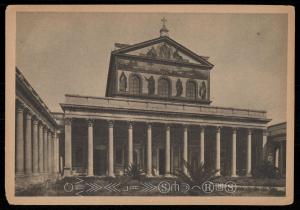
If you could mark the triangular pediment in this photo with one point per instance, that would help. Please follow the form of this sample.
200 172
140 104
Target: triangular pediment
164 48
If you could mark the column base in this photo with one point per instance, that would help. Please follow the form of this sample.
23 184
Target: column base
67 172
20 174
149 175
248 175
234 175
35 174
111 175
218 173
168 175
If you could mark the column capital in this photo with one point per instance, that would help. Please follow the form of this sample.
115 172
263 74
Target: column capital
249 130
218 128
234 129
29 114
54 133
20 106
265 131
202 126
185 126
68 121
167 126
49 132
130 124
45 128
35 121
41 123
110 123
90 122
149 124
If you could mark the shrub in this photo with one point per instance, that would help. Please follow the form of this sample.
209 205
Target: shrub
134 171
266 170
196 175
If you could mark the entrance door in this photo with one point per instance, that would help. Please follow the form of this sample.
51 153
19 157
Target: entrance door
162 161
100 162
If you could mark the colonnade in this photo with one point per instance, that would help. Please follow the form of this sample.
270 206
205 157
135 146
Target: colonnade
37 145
167 143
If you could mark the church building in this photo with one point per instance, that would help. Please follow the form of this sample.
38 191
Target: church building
156 113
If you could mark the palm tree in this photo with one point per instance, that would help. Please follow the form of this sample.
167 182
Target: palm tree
196 176
134 171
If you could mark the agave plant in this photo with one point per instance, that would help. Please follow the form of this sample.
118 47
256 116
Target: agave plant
134 171
196 175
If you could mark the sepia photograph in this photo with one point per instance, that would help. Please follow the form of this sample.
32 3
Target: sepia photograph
137 105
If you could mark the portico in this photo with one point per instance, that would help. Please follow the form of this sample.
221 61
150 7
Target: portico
37 142
159 136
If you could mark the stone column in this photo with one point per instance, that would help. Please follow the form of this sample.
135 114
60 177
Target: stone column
50 152
35 148
41 141
202 145
57 169
167 151
276 161
45 144
281 158
68 147
149 150
233 153
28 145
248 168
185 149
130 144
111 149
20 141
218 152
53 156
90 147
264 145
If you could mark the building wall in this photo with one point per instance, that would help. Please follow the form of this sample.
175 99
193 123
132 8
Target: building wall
156 77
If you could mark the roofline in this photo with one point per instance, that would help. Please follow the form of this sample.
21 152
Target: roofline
160 102
74 106
196 56
277 124
108 84
35 96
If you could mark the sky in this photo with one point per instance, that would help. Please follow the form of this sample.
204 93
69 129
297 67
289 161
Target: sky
68 53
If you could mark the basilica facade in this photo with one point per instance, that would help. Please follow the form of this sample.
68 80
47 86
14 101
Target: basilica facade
156 113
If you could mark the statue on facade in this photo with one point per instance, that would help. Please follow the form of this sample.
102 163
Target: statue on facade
152 53
202 91
179 88
123 82
165 51
176 56
151 85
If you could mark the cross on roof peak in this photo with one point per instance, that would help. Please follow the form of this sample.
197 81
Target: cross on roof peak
164 20
164 31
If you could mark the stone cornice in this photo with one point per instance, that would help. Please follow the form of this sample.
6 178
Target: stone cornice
108 99
163 61
117 111
167 40
24 87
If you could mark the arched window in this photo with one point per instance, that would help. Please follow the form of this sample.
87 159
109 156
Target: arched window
191 89
134 85
123 83
163 87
